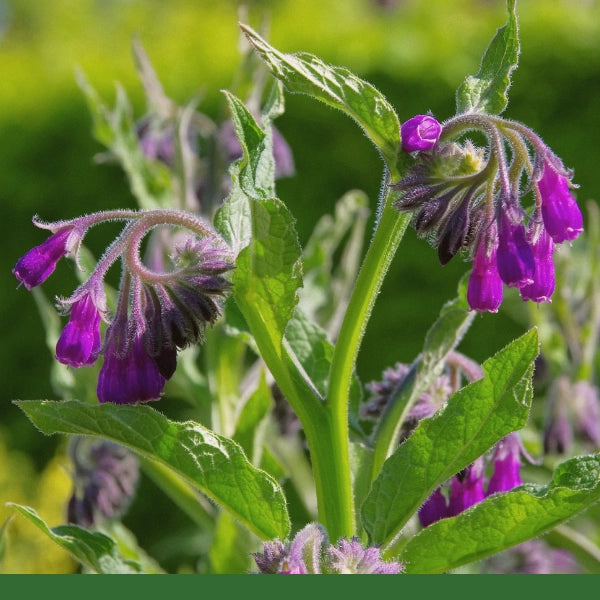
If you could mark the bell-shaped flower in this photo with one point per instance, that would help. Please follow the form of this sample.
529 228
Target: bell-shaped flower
129 375
516 264
79 343
507 465
39 263
561 214
542 286
484 290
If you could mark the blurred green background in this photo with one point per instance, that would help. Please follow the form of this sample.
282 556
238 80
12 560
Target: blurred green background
415 51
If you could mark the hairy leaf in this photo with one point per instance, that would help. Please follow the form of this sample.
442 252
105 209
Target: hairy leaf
504 520
487 91
476 417
215 464
97 551
337 87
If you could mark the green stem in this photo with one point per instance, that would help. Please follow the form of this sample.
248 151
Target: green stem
387 237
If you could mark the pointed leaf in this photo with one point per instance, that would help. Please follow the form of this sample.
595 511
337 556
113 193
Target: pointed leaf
505 520
215 464
93 549
487 91
337 87
475 418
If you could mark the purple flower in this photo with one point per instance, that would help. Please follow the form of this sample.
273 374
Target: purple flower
534 557
421 132
542 286
39 263
105 477
586 411
79 342
310 553
484 291
466 488
561 214
507 465
516 264
349 557
434 508
129 376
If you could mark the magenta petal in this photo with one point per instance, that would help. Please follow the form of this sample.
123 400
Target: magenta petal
132 378
484 291
560 212
79 342
516 264
420 133
542 286
39 263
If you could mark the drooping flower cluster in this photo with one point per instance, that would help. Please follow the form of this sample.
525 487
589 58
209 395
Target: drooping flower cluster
429 402
311 553
157 312
105 478
469 197
468 487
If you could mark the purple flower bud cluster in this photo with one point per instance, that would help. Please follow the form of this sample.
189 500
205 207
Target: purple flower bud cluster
467 488
105 479
429 402
573 414
311 553
534 557
465 197
157 313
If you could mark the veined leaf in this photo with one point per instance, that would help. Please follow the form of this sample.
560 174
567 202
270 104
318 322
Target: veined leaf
97 551
215 464
475 418
337 87
504 520
487 91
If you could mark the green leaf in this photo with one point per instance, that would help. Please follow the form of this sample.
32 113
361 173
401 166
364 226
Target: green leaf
95 550
338 87
268 271
475 418
257 166
444 335
504 520
215 464
232 548
487 91
253 412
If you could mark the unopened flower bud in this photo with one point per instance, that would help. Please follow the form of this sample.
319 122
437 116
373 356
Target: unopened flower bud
421 132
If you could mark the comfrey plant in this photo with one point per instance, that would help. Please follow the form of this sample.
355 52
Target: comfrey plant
307 469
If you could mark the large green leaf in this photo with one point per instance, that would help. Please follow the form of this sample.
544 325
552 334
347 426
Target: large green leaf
337 87
215 464
443 336
487 91
475 418
93 549
504 520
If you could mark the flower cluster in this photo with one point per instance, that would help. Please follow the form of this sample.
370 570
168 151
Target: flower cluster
157 312
471 197
468 487
311 553
105 477
457 366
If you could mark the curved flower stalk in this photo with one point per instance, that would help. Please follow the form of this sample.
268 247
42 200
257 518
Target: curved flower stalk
470 197
158 312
